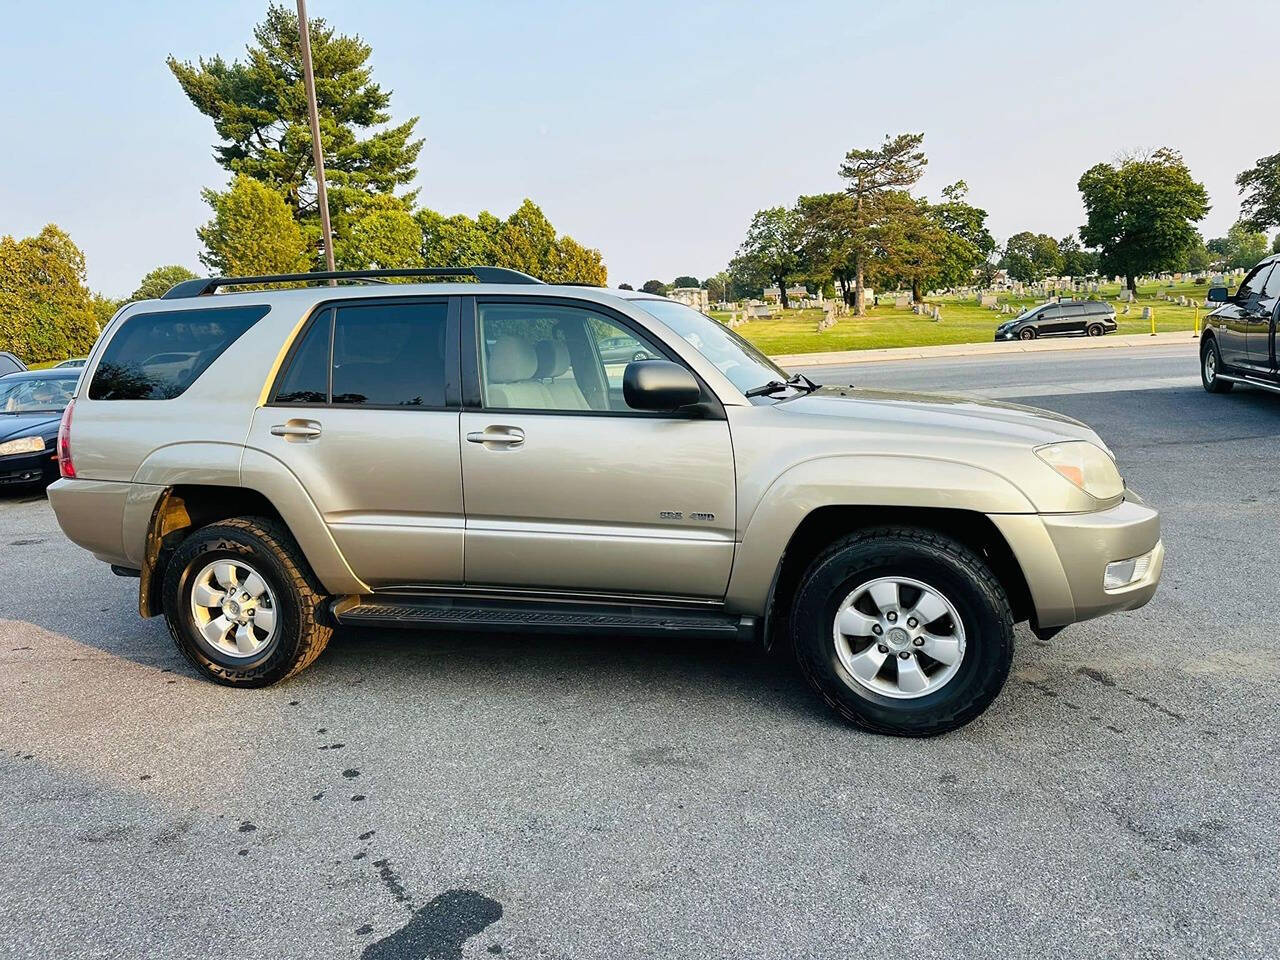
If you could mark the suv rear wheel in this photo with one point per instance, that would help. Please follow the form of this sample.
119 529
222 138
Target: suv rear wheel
1027 333
903 631
241 605
1211 367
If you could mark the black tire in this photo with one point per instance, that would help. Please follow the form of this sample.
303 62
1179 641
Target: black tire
640 355
1095 330
302 624
1027 333
1211 365
946 565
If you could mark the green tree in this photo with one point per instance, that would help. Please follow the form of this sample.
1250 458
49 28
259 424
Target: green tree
655 286
1245 247
1030 257
252 232
965 242
259 111
1141 213
873 174
1220 247
1275 244
104 308
378 232
1198 257
571 262
685 281
46 311
772 247
717 286
826 245
625 286
157 283
525 240
1260 185
910 247
1076 260
457 241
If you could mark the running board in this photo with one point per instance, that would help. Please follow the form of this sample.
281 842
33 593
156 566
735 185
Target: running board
458 613
1260 384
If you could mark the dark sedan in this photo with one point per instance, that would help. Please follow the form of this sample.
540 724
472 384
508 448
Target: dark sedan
1090 318
31 405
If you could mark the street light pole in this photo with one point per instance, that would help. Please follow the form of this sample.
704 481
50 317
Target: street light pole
309 81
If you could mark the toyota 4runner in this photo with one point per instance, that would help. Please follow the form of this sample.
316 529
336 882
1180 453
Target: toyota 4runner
489 454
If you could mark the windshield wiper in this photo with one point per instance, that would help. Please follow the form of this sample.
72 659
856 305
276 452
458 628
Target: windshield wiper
797 381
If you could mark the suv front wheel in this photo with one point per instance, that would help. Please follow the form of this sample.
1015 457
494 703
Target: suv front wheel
903 631
241 606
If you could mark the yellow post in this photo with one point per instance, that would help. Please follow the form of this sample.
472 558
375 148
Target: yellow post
1197 329
1153 321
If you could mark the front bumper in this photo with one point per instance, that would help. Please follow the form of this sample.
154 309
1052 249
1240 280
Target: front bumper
27 468
1064 558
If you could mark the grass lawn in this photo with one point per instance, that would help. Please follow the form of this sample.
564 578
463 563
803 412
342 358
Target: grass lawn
963 321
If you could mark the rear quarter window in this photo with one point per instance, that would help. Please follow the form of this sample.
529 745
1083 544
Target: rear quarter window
157 356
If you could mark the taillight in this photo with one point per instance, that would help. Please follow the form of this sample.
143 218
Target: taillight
65 466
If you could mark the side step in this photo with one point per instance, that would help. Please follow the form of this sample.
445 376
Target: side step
1250 381
460 613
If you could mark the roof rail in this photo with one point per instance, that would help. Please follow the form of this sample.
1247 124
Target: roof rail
203 287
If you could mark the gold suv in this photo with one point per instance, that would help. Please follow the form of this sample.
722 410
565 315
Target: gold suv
492 455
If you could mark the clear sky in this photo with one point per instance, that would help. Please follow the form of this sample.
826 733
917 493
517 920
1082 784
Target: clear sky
653 130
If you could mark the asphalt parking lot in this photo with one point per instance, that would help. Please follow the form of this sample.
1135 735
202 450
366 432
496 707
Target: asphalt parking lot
472 796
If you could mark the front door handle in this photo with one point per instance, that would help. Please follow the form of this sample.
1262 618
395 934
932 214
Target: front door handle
295 430
507 436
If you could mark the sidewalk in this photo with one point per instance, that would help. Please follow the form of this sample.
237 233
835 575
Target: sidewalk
1108 342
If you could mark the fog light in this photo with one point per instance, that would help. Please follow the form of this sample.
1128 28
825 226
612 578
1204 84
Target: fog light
1122 573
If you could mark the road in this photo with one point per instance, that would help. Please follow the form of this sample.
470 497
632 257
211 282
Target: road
467 796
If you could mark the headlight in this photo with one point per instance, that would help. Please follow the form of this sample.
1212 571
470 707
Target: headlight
25 445
1085 465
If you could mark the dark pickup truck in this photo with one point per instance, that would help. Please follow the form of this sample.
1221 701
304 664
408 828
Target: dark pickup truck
1239 340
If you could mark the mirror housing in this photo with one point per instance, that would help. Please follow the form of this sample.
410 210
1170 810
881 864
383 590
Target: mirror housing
1218 295
659 386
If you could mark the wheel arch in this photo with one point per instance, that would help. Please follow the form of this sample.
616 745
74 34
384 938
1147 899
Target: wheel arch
827 524
182 508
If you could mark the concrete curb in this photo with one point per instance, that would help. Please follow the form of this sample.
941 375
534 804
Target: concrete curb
1109 342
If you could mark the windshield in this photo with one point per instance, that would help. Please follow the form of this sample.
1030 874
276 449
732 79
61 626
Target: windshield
29 396
744 365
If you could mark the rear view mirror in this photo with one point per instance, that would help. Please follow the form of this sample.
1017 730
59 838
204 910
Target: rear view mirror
1219 295
659 385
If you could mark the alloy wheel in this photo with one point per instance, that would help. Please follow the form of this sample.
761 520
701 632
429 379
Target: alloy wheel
233 608
899 637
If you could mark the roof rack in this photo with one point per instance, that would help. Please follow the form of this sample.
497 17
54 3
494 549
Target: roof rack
203 287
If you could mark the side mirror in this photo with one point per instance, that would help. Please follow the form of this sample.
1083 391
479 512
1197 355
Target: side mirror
1219 295
659 385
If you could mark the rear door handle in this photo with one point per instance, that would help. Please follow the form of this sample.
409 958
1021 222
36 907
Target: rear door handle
296 430
509 436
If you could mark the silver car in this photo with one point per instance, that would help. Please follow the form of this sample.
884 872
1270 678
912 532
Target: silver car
464 456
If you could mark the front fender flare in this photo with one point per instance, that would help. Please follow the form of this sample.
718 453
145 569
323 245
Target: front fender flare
855 480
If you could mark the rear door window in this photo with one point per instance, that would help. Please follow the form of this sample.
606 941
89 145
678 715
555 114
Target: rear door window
157 356
378 355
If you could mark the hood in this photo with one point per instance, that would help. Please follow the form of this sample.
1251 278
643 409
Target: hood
13 426
927 412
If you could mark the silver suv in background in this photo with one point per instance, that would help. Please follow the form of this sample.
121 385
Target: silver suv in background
272 464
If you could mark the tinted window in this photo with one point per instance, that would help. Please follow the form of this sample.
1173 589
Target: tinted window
390 355
1253 284
307 378
157 356
1271 290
